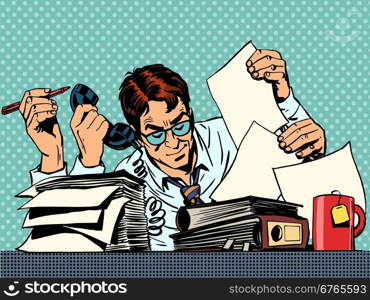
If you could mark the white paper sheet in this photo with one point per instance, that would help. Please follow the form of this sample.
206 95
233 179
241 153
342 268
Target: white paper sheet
76 217
337 171
252 170
60 242
242 99
110 219
32 191
91 197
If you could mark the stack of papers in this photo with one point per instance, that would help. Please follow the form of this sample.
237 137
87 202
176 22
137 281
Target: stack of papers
103 212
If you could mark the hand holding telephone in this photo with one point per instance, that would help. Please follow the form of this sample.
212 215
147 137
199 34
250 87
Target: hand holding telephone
119 136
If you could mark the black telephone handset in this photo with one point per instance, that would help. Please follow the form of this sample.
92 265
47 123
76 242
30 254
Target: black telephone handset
119 136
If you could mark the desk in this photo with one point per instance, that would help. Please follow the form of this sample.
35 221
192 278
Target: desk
277 264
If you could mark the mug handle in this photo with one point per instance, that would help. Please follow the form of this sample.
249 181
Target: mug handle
361 220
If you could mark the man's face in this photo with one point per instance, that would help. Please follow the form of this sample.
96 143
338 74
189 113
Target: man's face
166 146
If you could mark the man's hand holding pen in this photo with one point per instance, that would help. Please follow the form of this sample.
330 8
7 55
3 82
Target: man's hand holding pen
39 113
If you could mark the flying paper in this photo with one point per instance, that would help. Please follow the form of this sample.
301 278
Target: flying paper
242 99
252 171
336 171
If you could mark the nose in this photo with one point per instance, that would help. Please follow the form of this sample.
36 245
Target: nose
171 140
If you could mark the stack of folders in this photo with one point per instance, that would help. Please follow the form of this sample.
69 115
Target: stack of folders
209 226
86 213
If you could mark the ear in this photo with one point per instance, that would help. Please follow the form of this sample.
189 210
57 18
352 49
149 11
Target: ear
191 114
138 139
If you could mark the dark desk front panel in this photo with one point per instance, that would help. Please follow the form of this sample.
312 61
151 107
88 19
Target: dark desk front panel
281 264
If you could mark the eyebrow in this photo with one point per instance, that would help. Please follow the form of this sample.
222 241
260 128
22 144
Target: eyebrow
154 127
178 118
174 121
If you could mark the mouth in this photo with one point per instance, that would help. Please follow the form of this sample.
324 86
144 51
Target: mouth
172 154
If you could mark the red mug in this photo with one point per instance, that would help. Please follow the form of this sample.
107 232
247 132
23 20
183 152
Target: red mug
327 235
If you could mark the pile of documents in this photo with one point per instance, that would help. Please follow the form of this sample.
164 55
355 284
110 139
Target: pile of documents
209 226
210 213
86 213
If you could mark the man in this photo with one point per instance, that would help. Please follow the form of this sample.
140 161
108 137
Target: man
184 161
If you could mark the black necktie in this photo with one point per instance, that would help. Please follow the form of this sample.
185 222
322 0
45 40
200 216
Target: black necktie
190 193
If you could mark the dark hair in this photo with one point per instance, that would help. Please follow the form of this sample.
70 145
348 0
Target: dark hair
151 83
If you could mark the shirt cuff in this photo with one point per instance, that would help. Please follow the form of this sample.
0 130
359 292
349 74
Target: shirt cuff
79 168
289 105
37 175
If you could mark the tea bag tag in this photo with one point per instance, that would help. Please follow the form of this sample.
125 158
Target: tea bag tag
339 214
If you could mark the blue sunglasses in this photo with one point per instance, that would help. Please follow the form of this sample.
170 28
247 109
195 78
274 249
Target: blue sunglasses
158 137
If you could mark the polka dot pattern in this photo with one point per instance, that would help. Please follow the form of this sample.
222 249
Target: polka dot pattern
57 43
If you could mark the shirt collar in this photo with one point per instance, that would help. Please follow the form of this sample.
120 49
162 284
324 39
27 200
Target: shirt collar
203 161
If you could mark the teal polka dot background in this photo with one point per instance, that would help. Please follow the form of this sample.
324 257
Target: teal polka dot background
58 43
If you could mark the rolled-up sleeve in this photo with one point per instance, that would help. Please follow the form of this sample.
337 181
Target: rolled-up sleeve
37 175
79 168
292 110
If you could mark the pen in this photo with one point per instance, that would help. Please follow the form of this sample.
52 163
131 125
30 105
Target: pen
15 106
